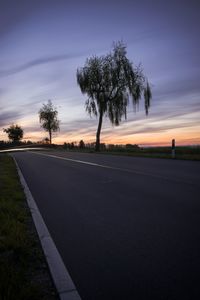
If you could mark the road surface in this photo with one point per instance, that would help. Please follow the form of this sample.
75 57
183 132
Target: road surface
126 228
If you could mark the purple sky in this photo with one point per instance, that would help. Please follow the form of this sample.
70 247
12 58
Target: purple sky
42 43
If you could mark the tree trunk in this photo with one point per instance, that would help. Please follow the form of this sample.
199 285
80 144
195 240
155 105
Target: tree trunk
50 134
97 146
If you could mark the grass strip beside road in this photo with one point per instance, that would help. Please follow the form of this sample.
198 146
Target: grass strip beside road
154 155
23 269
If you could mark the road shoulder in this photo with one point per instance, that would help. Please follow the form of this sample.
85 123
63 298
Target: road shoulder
61 278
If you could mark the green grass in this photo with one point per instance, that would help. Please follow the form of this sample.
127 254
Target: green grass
154 155
21 257
185 153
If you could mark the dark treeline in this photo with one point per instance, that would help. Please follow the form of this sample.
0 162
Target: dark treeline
10 144
112 148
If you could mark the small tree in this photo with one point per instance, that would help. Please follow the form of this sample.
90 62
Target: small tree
48 117
46 140
81 144
109 81
15 133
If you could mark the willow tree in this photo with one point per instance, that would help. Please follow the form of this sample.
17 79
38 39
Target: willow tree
48 116
110 81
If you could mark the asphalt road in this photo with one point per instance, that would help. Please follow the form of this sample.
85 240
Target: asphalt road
126 228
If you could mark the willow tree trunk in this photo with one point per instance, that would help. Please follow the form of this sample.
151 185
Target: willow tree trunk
97 146
50 136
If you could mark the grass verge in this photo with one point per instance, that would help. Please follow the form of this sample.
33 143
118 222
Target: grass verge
23 270
154 155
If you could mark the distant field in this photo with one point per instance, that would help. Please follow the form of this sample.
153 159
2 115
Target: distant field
160 152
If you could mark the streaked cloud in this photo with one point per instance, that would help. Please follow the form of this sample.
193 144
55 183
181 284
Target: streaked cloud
9 117
37 62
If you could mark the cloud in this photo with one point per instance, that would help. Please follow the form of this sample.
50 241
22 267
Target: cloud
178 87
157 129
79 125
34 128
37 62
9 117
173 111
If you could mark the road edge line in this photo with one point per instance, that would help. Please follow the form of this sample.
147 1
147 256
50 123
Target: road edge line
61 278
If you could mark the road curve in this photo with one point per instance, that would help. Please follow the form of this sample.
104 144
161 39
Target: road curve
126 228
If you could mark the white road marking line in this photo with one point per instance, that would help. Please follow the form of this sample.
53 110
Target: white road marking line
116 168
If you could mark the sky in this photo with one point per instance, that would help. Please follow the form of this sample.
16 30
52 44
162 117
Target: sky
42 43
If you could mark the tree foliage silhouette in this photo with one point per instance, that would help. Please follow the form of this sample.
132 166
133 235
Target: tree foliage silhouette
48 116
109 82
15 133
81 144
